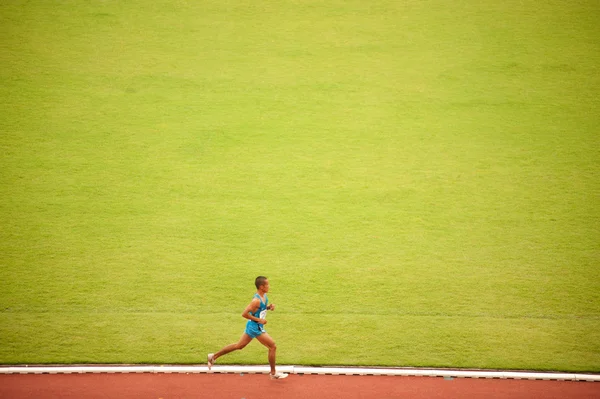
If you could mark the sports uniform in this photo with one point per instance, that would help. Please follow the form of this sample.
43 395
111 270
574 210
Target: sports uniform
254 329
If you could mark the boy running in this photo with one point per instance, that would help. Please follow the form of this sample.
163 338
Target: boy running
255 312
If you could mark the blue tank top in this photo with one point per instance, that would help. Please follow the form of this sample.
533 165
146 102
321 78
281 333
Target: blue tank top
261 312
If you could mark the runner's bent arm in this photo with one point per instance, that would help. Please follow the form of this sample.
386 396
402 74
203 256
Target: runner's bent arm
253 307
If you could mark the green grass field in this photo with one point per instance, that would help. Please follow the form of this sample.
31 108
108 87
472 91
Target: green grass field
420 180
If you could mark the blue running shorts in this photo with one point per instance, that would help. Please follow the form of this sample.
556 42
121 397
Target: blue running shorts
254 329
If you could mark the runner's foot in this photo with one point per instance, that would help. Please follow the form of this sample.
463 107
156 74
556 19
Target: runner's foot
278 376
211 360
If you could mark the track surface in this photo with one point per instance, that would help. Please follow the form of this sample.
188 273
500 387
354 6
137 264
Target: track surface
251 386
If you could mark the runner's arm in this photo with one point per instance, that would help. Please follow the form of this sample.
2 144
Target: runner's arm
253 307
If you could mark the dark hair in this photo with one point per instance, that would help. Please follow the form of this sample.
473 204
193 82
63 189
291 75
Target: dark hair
260 280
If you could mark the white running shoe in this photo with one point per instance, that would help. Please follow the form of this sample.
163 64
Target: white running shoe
211 360
278 376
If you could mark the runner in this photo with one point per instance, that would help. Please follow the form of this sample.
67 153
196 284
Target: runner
255 312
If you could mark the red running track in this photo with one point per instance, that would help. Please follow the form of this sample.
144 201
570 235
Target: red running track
254 386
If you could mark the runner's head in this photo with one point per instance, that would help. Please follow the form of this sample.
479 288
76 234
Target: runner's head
261 281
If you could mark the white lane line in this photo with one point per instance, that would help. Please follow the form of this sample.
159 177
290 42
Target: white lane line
301 370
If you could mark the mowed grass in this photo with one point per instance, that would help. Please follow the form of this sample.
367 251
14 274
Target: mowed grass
418 179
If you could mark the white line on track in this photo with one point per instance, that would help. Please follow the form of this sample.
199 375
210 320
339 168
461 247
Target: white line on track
407 372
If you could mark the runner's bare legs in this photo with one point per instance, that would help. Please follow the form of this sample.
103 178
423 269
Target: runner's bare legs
267 341
241 344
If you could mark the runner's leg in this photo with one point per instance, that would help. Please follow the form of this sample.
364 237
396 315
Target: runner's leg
267 341
241 344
